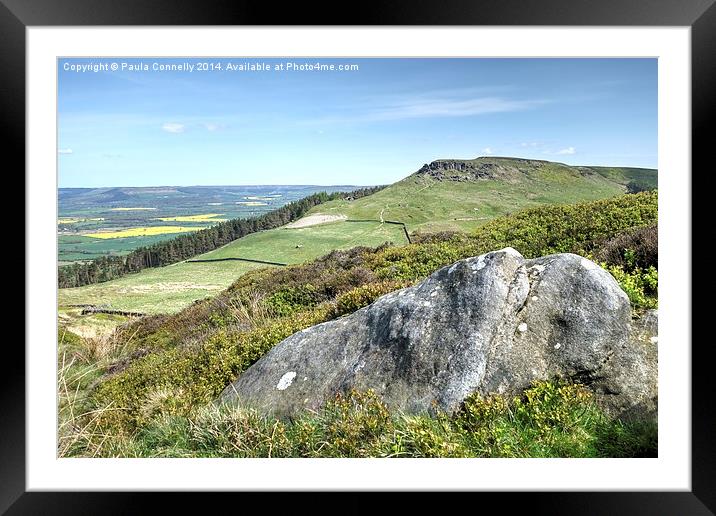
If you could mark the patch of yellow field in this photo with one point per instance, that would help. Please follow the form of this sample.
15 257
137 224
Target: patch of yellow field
252 203
130 209
149 231
206 217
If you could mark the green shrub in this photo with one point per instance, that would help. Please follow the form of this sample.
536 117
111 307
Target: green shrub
176 364
640 285
550 419
362 296
289 300
349 425
534 232
174 381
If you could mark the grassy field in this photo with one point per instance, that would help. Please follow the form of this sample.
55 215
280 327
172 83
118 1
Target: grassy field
298 245
131 209
79 247
161 290
171 288
89 326
205 217
426 204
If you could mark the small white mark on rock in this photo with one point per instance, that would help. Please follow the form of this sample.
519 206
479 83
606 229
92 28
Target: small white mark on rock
654 340
535 298
433 293
286 381
512 251
587 264
538 268
425 303
478 264
557 346
305 378
452 269
522 327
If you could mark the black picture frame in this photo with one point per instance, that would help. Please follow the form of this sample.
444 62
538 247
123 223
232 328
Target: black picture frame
700 15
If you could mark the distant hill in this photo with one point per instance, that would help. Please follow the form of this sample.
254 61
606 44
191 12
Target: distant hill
451 194
178 196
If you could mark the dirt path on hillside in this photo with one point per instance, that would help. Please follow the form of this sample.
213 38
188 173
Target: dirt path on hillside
314 220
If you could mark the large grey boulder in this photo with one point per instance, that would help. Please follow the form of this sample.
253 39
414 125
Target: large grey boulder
492 324
628 384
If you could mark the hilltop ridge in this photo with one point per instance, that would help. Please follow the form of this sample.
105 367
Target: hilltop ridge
462 194
484 167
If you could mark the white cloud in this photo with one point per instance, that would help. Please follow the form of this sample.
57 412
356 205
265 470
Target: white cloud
487 150
568 150
528 144
211 126
64 151
172 127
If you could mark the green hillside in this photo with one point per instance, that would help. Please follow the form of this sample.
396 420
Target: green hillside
464 194
624 175
165 372
444 195
297 245
171 288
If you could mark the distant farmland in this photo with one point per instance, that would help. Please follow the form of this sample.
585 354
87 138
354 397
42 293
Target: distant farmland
171 288
114 221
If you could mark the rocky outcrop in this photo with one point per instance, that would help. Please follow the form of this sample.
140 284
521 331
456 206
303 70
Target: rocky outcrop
479 169
489 324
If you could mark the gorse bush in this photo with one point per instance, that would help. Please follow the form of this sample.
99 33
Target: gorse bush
640 285
362 296
576 228
177 364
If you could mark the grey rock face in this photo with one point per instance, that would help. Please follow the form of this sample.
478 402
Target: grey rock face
479 169
492 324
628 387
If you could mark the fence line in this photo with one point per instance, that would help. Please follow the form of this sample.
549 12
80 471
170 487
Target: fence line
237 260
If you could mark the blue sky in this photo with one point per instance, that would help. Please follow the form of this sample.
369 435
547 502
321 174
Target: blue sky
373 125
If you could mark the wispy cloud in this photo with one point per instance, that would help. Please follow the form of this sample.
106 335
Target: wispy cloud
64 151
212 127
436 107
440 104
172 127
487 150
175 127
568 150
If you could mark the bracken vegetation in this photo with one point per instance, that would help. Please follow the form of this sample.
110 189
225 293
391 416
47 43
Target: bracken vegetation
151 392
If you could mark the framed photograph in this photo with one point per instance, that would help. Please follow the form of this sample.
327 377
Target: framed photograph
419 252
